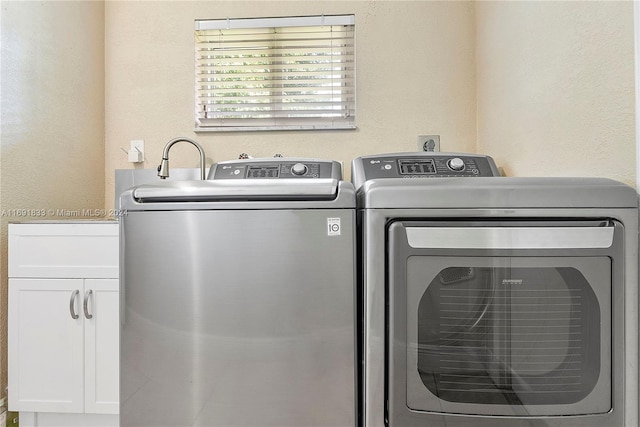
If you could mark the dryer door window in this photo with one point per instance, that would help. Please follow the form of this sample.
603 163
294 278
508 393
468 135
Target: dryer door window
490 334
506 335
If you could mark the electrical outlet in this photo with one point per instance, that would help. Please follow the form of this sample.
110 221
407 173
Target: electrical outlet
429 142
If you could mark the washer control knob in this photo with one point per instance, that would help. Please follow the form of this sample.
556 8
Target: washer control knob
456 164
299 169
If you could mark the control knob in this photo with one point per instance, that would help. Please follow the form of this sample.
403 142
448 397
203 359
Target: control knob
299 169
456 164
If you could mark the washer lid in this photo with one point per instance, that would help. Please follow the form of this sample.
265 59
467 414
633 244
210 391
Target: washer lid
266 183
236 190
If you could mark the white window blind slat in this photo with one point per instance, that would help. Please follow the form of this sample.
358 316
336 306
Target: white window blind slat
223 70
280 77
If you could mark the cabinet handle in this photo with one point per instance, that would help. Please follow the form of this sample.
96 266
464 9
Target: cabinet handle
86 304
72 305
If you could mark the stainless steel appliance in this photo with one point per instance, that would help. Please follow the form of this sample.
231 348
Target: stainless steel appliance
238 298
492 301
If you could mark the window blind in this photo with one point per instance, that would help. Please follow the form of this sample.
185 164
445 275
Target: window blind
275 73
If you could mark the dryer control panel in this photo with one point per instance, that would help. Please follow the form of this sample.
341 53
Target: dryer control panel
276 168
423 165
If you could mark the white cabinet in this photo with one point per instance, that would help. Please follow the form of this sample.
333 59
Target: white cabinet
63 319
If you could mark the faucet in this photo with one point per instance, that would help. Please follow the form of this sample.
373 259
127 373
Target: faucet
163 168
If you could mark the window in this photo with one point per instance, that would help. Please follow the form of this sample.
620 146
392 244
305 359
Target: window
275 73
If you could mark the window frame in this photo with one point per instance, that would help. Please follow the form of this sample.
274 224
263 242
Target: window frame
324 101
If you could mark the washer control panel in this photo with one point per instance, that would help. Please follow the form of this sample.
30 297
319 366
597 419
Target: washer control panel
424 165
280 168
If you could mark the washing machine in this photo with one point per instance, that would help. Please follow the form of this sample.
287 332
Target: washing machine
490 301
237 298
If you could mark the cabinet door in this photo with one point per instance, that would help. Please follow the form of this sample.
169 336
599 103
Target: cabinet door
102 350
45 345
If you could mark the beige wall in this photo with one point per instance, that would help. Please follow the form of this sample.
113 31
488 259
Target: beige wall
415 75
546 88
556 88
52 115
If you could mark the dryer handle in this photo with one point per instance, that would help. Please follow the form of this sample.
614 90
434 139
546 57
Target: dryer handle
510 237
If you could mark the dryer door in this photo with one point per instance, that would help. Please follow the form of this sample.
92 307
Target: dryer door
503 319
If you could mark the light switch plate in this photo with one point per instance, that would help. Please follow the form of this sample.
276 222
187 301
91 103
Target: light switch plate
136 152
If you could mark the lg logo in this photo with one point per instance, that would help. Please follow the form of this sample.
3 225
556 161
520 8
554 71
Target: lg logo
333 226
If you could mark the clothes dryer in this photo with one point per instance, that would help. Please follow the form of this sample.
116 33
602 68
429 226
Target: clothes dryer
495 302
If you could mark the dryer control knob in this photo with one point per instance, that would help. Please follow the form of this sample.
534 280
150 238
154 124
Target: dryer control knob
299 169
456 164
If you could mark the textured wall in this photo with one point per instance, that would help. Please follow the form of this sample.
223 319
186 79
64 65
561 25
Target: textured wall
415 75
52 115
556 88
